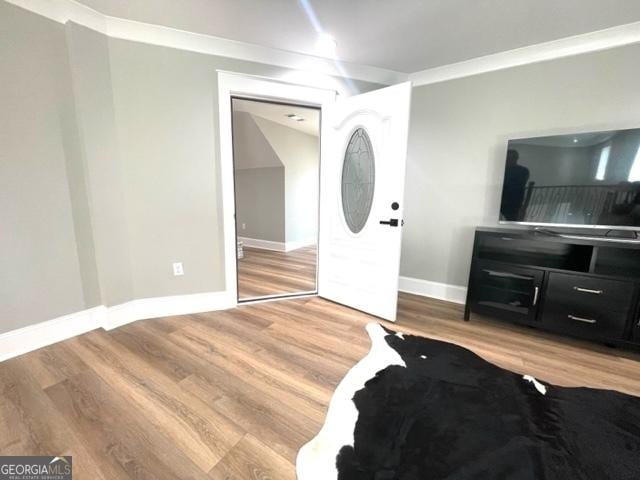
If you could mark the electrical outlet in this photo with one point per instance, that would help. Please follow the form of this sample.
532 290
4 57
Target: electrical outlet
177 269
244 226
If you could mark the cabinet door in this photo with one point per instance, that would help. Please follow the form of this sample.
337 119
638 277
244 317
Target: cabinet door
588 306
501 290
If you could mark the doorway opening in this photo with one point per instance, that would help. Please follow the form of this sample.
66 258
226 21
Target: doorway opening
276 170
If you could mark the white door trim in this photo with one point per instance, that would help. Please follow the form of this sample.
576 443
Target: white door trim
233 84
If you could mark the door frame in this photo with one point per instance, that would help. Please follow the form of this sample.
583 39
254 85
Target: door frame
277 296
230 85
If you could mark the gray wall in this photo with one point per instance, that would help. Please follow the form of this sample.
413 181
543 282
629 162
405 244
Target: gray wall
41 276
250 147
458 137
259 182
300 154
164 103
78 190
275 203
101 165
260 203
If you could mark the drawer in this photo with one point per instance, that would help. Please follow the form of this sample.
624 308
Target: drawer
587 306
591 292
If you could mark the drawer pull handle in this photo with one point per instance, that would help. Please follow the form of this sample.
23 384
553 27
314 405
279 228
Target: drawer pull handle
587 290
494 273
581 319
536 291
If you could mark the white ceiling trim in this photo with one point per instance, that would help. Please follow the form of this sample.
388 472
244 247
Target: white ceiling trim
565 47
64 11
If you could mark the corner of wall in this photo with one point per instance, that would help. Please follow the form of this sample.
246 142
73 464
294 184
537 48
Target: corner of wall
105 229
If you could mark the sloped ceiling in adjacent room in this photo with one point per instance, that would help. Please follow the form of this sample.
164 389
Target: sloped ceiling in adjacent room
277 113
250 147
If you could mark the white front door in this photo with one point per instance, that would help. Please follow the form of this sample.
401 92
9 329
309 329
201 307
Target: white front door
363 156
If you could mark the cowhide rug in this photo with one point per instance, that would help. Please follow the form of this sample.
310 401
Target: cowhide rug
416 408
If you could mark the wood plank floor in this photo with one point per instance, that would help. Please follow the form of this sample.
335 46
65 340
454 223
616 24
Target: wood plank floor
234 394
266 272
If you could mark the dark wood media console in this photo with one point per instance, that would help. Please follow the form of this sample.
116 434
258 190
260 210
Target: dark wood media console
583 287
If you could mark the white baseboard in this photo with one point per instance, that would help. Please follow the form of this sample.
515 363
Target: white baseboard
26 339
263 244
156 307
426 288
33 337
275 246
30 338
300 244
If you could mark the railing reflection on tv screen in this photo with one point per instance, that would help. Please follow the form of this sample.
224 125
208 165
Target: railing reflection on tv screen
582 204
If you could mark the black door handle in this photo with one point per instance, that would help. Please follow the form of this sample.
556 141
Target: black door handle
392 222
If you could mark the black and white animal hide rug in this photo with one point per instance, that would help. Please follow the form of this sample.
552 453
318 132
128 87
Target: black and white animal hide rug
421 409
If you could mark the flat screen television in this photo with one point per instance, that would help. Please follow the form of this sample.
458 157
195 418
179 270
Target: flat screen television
577 180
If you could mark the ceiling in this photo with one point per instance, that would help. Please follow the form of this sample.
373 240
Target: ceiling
278 113
401 35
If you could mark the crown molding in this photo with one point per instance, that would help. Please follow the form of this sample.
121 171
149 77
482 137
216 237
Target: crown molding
565 47
64 11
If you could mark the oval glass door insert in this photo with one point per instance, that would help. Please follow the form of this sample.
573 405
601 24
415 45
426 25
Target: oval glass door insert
358 180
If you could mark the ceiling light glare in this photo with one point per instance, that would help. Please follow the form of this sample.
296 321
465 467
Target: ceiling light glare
326 45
